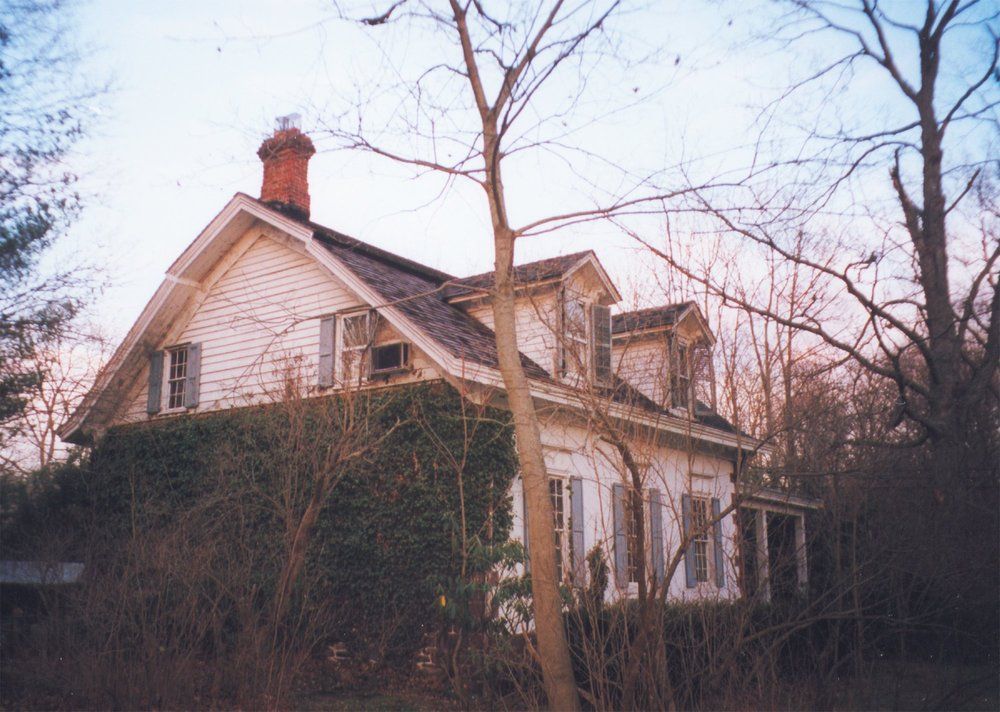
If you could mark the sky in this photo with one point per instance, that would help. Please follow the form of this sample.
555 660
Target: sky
196 86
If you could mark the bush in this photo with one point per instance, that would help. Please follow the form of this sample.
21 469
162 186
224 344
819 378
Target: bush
191 533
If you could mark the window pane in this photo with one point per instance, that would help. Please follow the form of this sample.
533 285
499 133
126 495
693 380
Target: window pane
356 333
176 377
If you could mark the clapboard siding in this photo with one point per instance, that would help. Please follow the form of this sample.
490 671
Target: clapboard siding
573 451
260 318
644 364
536 318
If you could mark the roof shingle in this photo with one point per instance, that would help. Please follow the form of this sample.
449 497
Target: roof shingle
420 292
538 271
650 318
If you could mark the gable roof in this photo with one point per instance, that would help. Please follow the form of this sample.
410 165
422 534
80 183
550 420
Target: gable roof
651 318
538 271
411 294
416 291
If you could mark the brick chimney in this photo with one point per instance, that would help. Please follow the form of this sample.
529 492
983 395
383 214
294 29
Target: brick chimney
286 157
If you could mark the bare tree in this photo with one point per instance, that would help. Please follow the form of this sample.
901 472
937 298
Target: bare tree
918 281
475 108
66 371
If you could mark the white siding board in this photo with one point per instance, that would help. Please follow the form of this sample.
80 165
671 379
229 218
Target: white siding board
261 312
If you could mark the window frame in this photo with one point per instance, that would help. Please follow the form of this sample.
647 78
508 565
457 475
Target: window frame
364 350
634 549
579 343
680 346
562 525
170 379
702 539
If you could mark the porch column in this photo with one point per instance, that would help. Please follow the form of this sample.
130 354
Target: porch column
763 559
801 561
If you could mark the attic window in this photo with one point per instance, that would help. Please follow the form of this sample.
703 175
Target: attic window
358 334
177 377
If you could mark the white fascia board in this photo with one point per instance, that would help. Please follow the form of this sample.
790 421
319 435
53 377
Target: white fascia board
395 317
591 259
177 280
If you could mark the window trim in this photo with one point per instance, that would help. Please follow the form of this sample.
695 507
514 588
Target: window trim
702 541
567 366
564 549
674 376
168 379
341 349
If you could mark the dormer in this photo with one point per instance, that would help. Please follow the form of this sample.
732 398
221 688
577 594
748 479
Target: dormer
563 313
665 352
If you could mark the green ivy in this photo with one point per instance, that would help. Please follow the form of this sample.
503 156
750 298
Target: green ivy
391 533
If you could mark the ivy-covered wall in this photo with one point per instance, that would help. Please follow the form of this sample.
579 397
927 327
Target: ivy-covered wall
391 531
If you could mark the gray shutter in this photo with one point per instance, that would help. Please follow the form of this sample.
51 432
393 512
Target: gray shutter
327 332
689 573
621 540
576 521
154 395
656 534
720 559
524 521
601 342
192 381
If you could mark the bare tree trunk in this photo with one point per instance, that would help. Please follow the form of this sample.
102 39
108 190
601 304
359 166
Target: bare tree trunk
553 649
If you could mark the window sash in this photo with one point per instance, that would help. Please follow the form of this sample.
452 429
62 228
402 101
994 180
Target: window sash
563 536
177 377
680 375
398 353
356 339
575 335
701 539
634 548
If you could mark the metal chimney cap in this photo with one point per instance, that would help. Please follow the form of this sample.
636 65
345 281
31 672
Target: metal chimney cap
290 121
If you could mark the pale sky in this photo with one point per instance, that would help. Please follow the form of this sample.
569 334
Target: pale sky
197 85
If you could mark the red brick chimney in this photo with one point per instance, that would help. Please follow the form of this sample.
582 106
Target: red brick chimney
286 157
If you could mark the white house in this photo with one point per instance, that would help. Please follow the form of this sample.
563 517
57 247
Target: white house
262 285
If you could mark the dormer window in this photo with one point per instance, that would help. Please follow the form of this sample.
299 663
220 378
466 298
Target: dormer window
586 340
575 336
680 374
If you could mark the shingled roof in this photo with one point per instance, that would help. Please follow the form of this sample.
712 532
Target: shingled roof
416 291
651 318
538 271
421 293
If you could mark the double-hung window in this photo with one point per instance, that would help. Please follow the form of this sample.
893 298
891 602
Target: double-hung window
356 346
559 492
575 337
177 374
701 537
633 522
680 374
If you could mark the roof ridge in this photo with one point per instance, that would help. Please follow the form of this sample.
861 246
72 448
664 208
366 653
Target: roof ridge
650 310
382 255
580 254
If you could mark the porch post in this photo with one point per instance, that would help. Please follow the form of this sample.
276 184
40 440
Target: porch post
801 562
763 559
